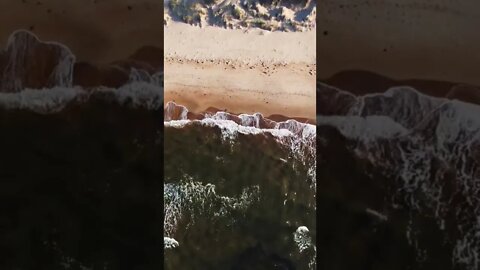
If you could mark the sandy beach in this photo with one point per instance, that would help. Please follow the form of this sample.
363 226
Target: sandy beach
97 31
411 39
241 71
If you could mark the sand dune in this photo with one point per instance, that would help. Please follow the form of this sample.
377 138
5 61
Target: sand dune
243 14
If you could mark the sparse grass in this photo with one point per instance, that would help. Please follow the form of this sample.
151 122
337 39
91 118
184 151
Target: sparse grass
211 2
262 24
173 4
238 13
197 8
259 22
189 19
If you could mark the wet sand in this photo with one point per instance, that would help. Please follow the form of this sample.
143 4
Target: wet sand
97 31
411 39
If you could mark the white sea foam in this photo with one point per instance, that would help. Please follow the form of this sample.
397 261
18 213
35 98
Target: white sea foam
229 128
139 94
302 238
190 197
170 243
41 101
147 95
419 141
20 50
299 138
367 129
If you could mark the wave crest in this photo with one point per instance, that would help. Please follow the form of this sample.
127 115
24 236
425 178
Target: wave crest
428 146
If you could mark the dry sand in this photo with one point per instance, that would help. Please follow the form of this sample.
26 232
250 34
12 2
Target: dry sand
435 40
97 31
241 71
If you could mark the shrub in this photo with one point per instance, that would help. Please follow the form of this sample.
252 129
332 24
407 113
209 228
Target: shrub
238 13
173 4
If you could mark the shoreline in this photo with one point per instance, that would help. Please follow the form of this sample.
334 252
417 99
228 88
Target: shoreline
360 82
175 112
272 73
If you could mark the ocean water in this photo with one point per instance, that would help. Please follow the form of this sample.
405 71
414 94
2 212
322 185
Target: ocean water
80 179
401 168
85 171
238 196
80 168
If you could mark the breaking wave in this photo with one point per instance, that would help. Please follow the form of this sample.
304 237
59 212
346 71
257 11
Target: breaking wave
225 174
141 94
427 149
39 76
69 127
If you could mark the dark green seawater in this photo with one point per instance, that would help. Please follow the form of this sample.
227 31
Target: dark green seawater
81 188
236 202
